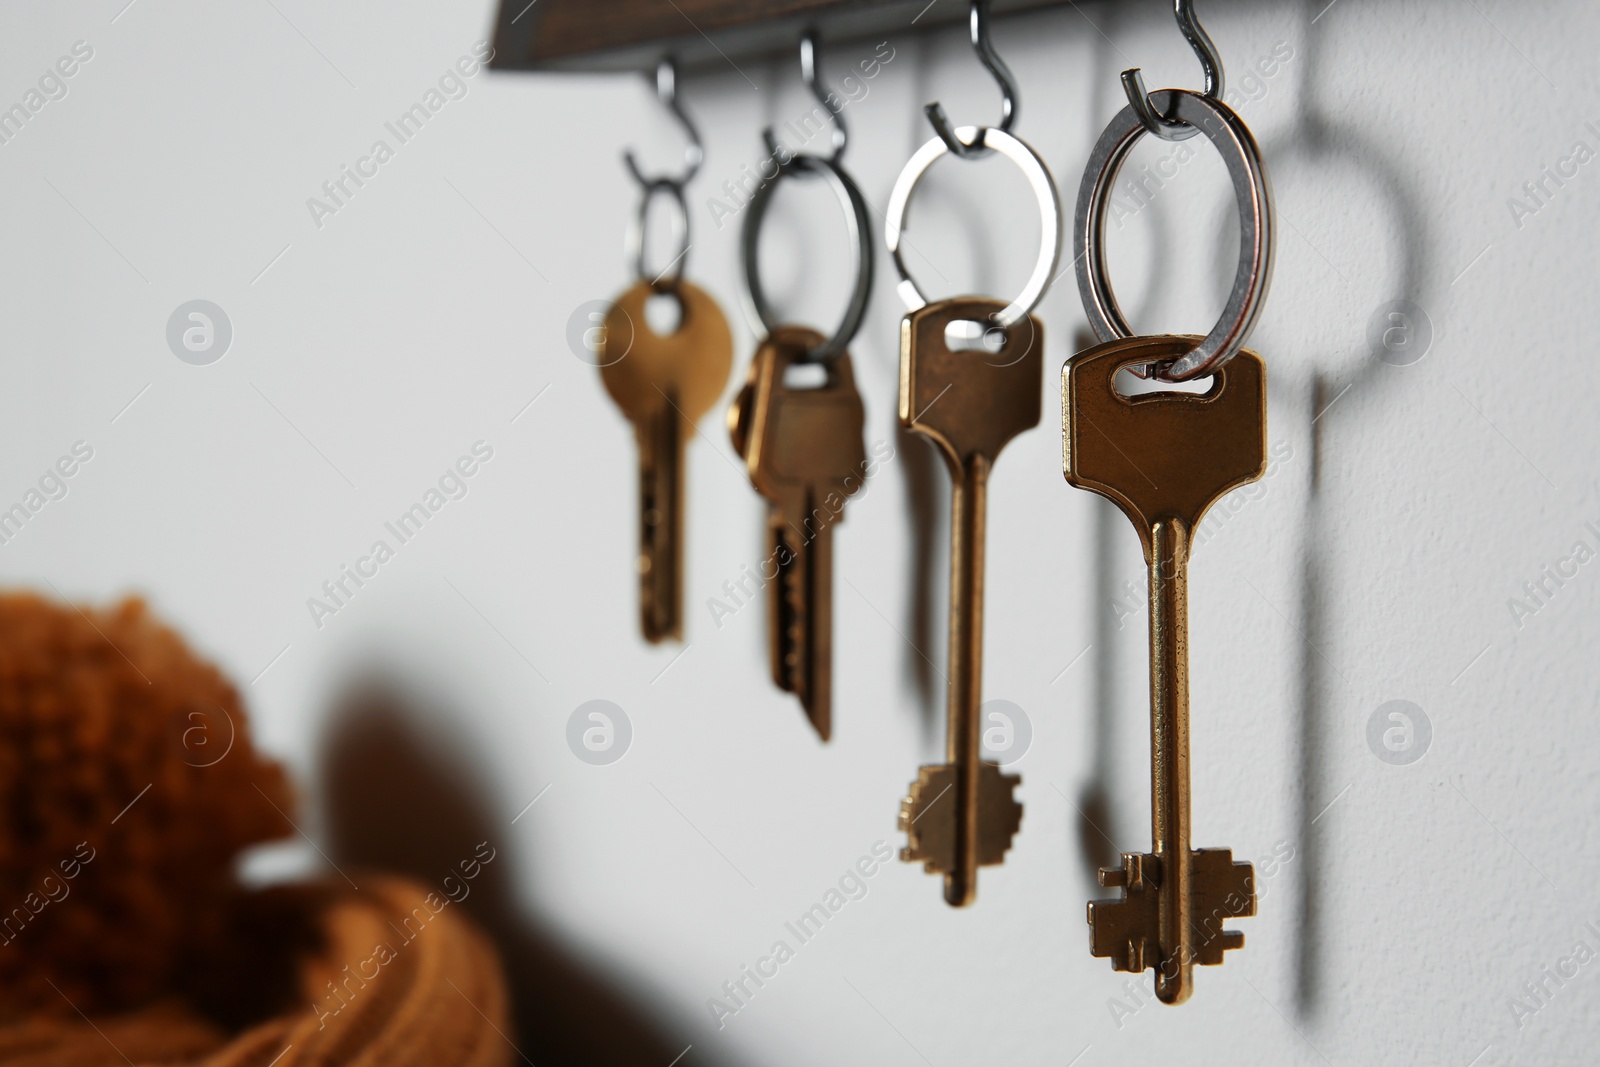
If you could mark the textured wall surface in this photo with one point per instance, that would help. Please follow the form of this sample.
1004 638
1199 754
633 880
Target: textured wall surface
1427 533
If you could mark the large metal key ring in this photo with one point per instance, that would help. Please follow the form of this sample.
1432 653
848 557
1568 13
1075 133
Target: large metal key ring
858 223
1044 190
1253 277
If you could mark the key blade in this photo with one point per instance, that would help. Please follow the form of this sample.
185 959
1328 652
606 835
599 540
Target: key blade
660 524
969 403
800 599
781 601
816 689
1168 454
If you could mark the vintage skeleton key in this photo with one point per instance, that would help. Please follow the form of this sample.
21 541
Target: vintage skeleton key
961 814
805 453
663 384
1164 458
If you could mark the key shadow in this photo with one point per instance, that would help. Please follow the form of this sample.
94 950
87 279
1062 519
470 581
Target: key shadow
1326 150
395 799
1097 829
928 504
1097 823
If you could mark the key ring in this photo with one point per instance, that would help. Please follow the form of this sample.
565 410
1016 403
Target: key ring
1251 280
693 156
850 199
1044 191
634 247
859 225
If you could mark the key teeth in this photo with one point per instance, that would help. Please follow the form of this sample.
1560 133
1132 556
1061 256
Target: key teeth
1000 815
929 826
929 810
1125 929
1223 890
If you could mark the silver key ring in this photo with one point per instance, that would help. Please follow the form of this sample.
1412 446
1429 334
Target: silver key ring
664 282
859 225
1234 142
1044 190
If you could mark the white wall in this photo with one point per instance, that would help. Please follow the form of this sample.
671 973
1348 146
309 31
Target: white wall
1412 503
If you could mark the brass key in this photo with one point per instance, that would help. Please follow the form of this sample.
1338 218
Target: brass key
962 814
1164 458
805 453
663 385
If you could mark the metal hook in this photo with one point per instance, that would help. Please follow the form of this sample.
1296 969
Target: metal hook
809 63
1010 98
694 154
1205 51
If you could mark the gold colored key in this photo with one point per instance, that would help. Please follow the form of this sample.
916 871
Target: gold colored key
806 455
961 815
1164 458
664 385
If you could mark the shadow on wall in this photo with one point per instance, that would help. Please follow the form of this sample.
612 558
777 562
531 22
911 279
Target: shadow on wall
1334 158
396 800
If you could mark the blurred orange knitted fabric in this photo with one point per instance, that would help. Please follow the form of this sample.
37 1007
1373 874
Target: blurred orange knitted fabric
117 827
128 785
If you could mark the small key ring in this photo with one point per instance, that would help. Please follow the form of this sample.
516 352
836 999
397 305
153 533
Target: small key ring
634 242
1252 192
860 227
1044 190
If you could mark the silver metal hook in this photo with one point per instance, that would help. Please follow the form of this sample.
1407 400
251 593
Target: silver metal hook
694 154
1205 50
1010 98
809 63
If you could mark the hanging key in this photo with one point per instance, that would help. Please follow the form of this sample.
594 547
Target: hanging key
663 384
806 455
1164 458
961 815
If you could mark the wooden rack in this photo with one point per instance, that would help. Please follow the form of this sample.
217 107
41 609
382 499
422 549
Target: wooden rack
623 35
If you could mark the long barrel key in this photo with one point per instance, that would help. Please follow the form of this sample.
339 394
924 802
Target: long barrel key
1164 458
663 384
962 814
805 453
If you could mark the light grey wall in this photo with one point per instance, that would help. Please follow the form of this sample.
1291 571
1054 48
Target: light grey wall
1380 561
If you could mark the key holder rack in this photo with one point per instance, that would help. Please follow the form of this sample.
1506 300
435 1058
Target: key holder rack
704 35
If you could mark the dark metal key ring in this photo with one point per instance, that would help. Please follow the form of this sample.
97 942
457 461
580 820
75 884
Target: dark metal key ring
857 221
1253 276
